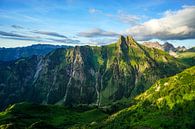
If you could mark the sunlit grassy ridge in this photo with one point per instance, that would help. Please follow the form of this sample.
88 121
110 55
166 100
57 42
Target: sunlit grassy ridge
169 103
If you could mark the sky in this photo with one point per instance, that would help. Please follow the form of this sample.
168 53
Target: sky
96 22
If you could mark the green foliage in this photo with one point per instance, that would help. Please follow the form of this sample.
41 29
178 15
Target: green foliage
26 115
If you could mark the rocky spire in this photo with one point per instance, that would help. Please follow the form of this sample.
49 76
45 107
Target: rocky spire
130 41
126 41
122 40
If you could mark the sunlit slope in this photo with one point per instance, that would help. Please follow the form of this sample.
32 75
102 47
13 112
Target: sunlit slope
169 103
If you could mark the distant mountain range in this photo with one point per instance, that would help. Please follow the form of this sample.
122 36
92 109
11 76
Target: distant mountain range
8 54
168 47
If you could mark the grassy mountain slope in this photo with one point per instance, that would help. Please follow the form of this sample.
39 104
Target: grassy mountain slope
187 57
169 103
86 75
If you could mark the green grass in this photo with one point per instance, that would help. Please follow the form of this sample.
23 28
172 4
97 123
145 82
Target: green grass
186 54
187 58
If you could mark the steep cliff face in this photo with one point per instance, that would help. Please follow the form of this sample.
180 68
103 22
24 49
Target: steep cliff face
85 75
16 79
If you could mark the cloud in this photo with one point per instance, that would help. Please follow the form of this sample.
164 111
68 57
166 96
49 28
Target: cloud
14 36
97 33
24 39
17 27
173 25
125 18
54 34
102 41
93 10
66 41
9 34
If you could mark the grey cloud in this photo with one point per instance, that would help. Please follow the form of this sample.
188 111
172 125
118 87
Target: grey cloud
54 34
66 41
23 39
3 33
14 36
97 33
17 27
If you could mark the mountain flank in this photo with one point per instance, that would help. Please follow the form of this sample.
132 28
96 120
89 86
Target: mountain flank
86 75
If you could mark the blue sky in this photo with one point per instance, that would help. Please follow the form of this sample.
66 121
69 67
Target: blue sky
95 22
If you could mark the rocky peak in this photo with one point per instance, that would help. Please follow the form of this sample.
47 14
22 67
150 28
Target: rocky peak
130 40
126 41
168 47
153 45
122 40
181 48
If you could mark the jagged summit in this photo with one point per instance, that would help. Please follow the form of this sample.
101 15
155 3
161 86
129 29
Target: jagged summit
130 40
168 47
127 41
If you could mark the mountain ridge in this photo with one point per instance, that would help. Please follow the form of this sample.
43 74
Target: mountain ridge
9 54
168 47
95 75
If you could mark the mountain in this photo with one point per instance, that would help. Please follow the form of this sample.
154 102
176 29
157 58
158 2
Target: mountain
86 75
156 45
8 54
191 49
168 47
169 103
187 56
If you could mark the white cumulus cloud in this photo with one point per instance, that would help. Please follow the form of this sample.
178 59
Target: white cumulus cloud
173 25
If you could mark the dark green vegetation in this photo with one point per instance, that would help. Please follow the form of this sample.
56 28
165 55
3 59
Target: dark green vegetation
86 75
169 103
32 116
8 54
